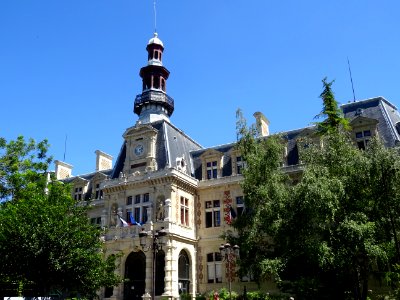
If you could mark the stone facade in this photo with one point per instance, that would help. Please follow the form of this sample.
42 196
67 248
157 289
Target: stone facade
162 180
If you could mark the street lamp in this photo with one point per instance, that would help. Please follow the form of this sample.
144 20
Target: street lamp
153 240
229 254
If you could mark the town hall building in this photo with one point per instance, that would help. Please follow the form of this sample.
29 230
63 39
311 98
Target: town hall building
166 201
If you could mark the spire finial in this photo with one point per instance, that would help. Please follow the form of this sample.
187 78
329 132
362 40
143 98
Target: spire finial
155 16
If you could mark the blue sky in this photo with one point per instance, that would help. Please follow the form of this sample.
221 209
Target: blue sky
71 67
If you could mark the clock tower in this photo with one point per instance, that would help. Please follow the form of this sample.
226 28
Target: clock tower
140 148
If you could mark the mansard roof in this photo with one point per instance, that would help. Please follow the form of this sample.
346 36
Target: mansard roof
380 109
377 109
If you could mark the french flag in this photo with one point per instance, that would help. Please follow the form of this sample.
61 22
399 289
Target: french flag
124 223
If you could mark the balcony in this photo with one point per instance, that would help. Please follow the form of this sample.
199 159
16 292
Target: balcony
153 97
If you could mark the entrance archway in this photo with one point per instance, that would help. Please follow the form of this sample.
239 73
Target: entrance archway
183 272
135 274
160 273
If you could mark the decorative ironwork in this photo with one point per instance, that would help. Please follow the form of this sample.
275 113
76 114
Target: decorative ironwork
155 97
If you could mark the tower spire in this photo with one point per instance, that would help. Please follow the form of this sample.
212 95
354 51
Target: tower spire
153 103
155 16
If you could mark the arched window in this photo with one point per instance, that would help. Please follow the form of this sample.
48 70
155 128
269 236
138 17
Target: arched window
156 83
135 274
163 84
183 272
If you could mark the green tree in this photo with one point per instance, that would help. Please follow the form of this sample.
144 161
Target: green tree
46 241
324 237
331 111
265 187
22 165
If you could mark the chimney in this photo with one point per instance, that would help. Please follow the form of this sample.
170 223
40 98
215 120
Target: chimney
262 124
103 161
63 170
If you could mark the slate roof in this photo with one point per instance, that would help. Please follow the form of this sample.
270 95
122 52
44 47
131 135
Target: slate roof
377 108
171 143
381 110
89 178
226 168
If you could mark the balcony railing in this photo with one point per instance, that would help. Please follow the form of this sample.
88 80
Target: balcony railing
154 96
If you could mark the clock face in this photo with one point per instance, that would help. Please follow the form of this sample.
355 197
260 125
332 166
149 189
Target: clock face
139 150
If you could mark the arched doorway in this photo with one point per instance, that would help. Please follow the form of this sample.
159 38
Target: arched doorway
135 274
183 272
160 273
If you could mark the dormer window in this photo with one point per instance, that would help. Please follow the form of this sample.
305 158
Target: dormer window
211 161
99 192
212 170
362 139
78 193
239 164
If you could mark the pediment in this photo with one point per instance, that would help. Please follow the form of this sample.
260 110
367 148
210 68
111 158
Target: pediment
139 130
79 181
211 153
99 176
363 121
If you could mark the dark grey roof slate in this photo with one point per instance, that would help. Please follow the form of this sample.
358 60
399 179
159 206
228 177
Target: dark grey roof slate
379 109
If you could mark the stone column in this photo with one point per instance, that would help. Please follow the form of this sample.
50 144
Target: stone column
168 269
149 271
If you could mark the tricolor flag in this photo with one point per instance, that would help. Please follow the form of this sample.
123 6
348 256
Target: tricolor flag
230 215
124 223
132 219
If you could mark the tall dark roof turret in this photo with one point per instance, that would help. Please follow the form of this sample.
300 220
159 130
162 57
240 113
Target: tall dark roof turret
153 103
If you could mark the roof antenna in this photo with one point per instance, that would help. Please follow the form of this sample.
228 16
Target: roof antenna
65 147
351 79
155 16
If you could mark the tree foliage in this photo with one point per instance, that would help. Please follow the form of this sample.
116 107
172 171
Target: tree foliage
333 115
46 241
265 187
328 235
22 165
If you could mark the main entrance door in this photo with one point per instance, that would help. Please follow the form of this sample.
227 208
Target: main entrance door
135 274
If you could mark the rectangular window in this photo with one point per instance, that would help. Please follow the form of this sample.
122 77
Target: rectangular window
217 218
144 214
98 195
184 211
212 170
239 165
136 214
213 214
137 199
146 197
214 268
129 200
96 221
209 219
239 205
78 193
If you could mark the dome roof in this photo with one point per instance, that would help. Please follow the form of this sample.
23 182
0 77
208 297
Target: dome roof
155 40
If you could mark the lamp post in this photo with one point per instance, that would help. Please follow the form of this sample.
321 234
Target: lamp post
153 240
229 254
